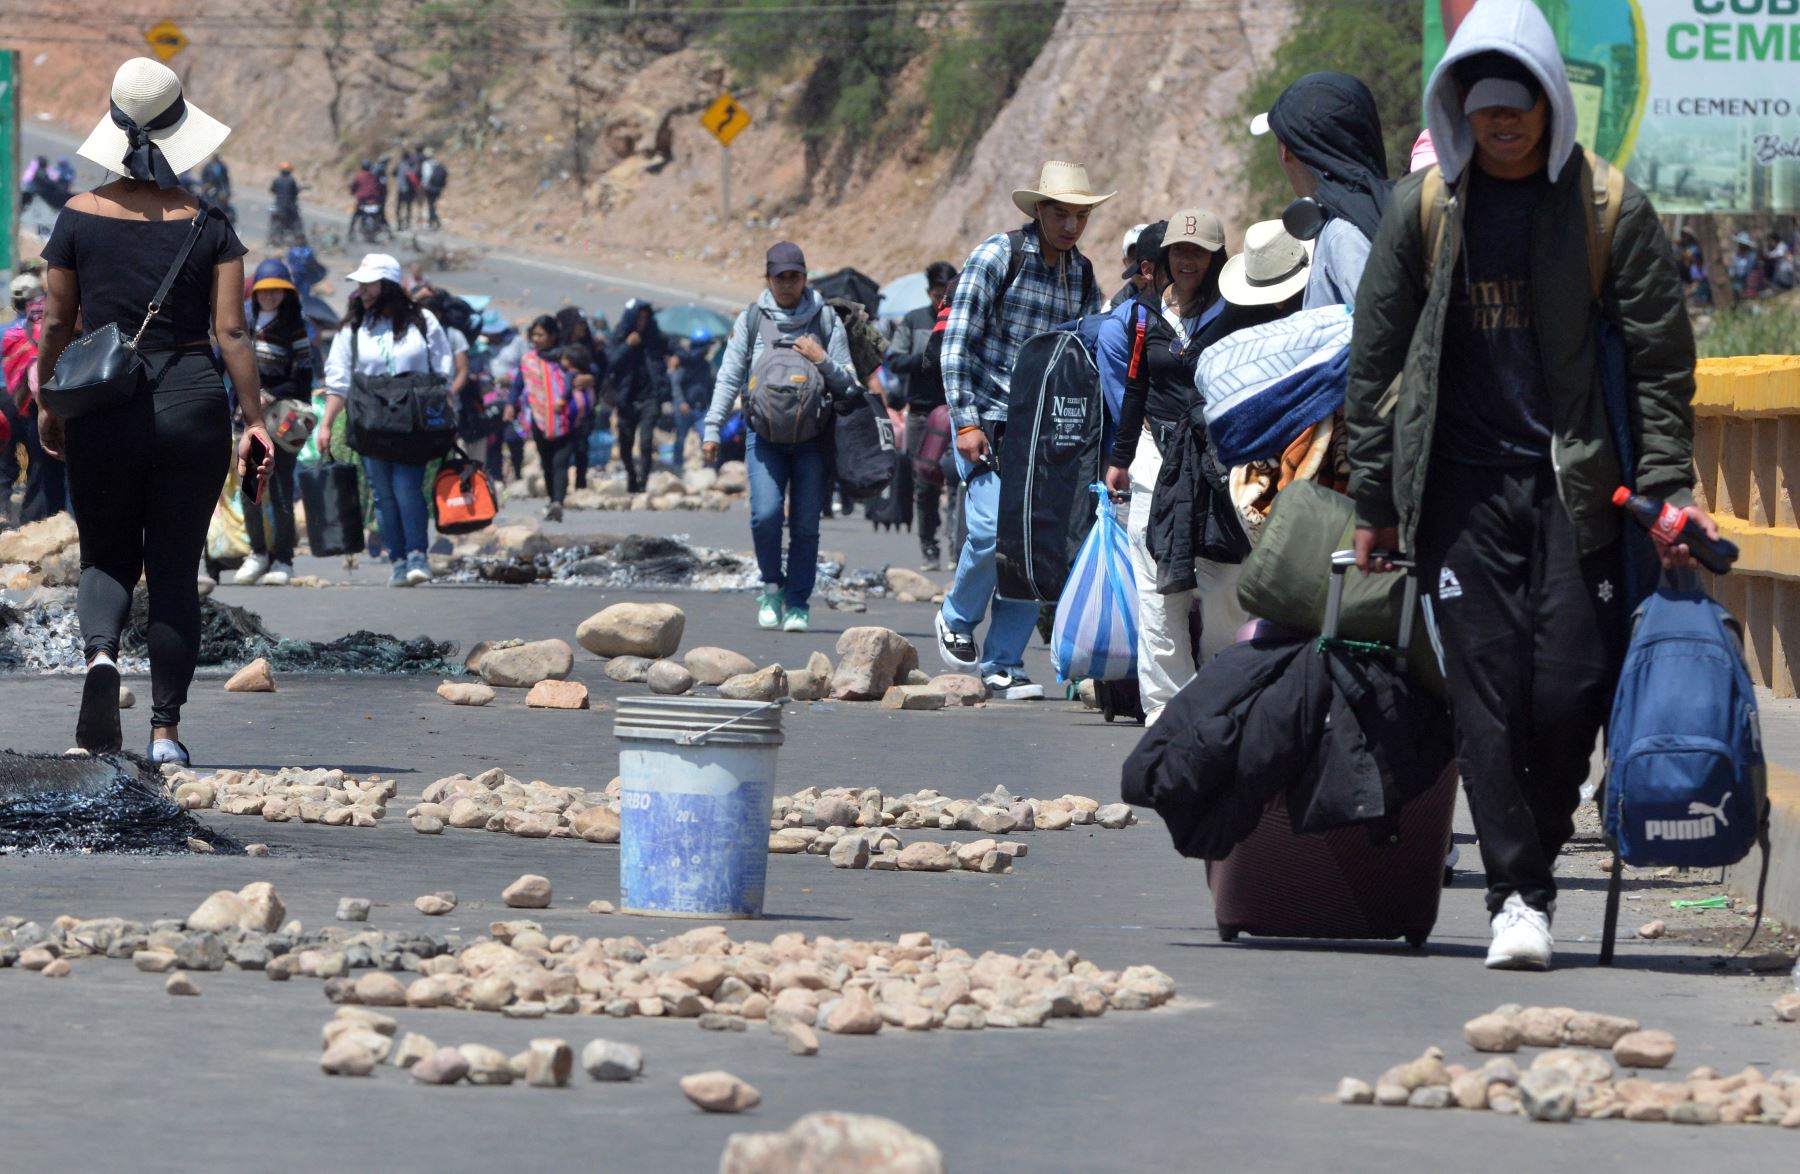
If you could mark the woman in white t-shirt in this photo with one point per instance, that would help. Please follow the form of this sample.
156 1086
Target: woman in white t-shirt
393 336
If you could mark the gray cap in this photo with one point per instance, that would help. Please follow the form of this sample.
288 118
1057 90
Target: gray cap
1498 91
785 257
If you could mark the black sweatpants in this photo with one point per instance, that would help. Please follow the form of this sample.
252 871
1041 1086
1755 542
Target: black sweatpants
637 429
554 456
143 480
579 452
279 494
1532 637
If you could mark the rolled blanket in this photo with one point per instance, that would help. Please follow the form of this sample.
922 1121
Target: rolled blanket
1265 385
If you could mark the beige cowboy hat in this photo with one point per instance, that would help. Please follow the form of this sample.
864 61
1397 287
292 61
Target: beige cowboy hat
1272 268
1060 183
147 94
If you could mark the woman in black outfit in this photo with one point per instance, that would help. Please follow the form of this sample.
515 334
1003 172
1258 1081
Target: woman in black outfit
637 358
144 475
284 363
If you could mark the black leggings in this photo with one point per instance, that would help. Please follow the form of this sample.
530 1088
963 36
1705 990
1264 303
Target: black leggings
554 456
143 480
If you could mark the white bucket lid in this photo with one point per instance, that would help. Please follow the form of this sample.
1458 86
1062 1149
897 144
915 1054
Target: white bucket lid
699 721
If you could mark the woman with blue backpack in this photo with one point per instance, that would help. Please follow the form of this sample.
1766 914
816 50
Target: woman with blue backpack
788 356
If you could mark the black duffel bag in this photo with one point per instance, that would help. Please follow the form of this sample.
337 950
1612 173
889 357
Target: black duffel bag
333 508
408 419
862 440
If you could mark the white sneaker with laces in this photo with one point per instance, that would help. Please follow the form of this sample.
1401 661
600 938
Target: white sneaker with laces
1521 937
278 575
253 569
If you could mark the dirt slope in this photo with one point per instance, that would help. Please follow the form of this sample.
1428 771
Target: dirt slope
1142 96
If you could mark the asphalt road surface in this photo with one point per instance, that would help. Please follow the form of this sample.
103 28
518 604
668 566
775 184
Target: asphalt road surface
102 1070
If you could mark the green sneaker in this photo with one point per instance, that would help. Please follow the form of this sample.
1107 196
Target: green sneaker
768 609
798 620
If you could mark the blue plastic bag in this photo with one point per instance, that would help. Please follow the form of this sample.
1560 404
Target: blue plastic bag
600 448
1096 630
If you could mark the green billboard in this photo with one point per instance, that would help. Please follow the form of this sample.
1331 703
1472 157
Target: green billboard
1694 98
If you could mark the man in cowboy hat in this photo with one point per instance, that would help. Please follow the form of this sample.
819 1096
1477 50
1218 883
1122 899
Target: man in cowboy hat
1014 285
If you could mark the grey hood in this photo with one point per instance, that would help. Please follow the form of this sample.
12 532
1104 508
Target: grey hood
1517 29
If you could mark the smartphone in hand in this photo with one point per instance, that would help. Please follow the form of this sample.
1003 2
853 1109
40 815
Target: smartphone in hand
259 453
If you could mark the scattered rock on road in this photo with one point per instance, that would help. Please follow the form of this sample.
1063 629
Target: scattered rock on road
921 697
715 666
870 661
833 1141
651 630
669 678
522 664
178 983
255 677
465 692
530 891
765 684
720 1092
435 904
444 1066
605 1059
352 909
629 670
1644 1049
557 695
347 1057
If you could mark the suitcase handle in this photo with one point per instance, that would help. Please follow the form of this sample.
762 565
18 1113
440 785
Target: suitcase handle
1342 561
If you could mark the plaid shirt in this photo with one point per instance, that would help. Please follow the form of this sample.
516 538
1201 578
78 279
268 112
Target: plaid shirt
980 345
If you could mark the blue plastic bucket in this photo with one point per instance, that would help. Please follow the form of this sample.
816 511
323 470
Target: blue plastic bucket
600 448
697 792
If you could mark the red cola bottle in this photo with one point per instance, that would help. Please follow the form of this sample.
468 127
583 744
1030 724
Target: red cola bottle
1673 526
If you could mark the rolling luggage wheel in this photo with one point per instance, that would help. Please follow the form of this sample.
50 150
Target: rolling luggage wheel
1228 933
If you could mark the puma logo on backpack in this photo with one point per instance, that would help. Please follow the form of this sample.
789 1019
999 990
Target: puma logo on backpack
785 399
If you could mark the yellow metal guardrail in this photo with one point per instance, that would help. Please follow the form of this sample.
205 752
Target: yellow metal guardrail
1747 457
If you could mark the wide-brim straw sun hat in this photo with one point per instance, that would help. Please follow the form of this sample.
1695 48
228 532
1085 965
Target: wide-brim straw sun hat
1273 267
1060 183
151 116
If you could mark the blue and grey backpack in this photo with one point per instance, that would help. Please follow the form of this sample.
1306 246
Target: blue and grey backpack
1685 779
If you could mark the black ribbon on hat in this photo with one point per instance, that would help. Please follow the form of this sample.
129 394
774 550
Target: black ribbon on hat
143 157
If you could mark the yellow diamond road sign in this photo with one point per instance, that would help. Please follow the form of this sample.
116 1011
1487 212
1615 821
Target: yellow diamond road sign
165 39
725 119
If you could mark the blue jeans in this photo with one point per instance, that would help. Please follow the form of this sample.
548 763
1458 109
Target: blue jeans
973 593
790 475
399 492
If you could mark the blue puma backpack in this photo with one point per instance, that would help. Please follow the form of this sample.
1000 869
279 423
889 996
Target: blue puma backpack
1685 780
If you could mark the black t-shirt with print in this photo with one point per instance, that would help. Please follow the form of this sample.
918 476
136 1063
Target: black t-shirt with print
1493 408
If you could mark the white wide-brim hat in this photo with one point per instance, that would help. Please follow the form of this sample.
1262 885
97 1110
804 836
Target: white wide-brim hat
1060 183
142 90
1273 267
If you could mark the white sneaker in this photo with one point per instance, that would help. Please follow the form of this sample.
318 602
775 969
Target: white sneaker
1521 937
278 575
252 571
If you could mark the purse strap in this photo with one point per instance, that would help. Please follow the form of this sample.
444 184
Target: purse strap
168 281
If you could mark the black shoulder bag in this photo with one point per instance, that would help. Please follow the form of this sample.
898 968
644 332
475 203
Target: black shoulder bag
103 370
406 418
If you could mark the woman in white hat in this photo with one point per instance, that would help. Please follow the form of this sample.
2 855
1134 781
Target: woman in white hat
387 334
144 474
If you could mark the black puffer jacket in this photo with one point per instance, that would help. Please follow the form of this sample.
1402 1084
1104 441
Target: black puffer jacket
1347 738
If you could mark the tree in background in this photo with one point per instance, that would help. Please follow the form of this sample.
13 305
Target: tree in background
977 70
1377 41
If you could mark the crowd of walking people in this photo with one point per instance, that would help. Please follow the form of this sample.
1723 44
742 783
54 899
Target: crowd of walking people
1434 359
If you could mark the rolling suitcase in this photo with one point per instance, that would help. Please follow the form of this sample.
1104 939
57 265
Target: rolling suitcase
1338 884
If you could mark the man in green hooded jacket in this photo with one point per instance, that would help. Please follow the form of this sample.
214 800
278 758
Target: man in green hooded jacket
1480 442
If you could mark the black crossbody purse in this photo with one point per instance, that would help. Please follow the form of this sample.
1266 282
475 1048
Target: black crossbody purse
103 369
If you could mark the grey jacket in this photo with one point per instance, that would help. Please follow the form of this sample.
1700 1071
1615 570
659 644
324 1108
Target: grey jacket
745 346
